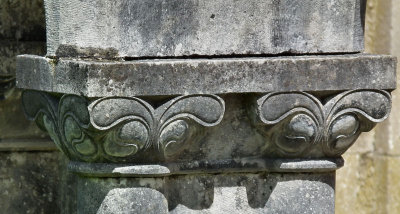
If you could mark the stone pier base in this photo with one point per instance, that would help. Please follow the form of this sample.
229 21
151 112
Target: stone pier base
207 193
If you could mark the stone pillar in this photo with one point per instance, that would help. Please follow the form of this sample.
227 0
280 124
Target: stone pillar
206 107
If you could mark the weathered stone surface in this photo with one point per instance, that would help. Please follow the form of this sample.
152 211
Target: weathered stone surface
295 121
224 193
249 165
210 27
272 120
193 127
134 131
214 76
35 182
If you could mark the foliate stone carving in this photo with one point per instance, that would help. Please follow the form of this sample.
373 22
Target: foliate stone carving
298 124
122 128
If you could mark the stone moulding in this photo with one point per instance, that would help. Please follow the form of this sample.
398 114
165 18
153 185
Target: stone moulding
244 165
207 115
117 128
299 124
173 77
286 132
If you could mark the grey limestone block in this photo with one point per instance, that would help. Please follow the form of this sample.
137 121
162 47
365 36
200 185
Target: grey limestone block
175 28
171 77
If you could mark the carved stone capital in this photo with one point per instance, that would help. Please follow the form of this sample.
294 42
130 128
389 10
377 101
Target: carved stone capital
298 124
181 135
130 130
122 129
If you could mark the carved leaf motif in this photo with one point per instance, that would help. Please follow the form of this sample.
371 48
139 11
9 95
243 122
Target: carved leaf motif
370 106
75 137
127 140
49 125
174 129
106 113
297 135
42 108
299 115
343 133
206 110
294 118
129 122
173 137
349 114
274 107
74 121
133 124
117 128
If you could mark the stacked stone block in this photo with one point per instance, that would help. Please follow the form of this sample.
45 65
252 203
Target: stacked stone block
205 107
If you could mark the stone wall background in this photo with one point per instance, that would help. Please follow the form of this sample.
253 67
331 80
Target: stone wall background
370 180
32 172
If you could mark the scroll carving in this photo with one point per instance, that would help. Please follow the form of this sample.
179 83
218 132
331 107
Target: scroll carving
297 124
122 128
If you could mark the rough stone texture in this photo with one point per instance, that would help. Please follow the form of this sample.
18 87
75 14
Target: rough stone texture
312 126
35 182
195 128
224 193
248 165
154 28
215 76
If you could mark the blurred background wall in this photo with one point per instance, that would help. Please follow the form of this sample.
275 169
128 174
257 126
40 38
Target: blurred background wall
370 180
33 178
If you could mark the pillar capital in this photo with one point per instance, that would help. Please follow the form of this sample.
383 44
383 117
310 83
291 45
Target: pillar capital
214 106
247 116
